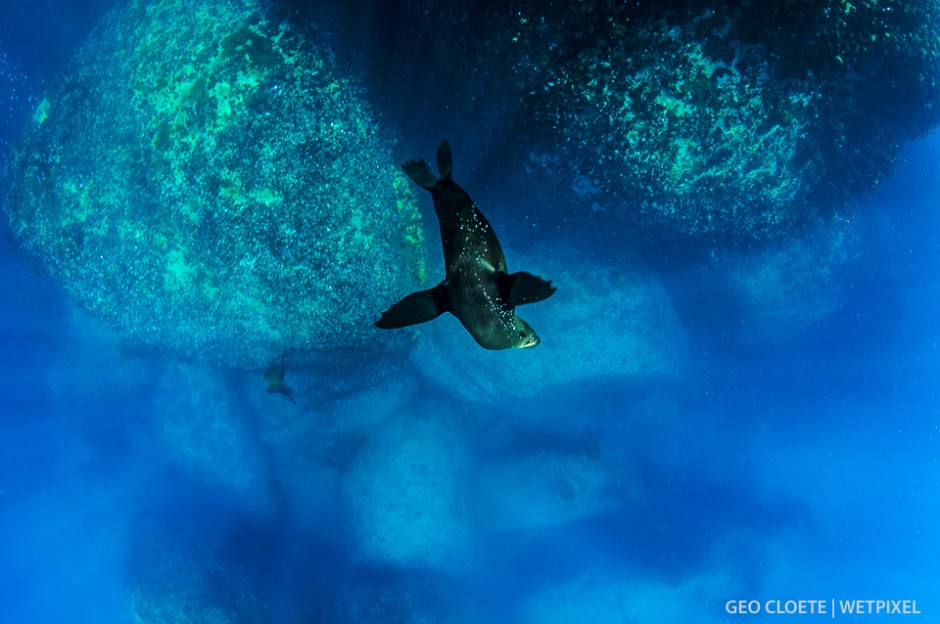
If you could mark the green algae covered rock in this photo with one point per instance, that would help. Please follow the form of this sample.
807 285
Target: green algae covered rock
695 144
729 124
205 180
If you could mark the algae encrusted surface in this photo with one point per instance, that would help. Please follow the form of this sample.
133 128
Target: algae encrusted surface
207 180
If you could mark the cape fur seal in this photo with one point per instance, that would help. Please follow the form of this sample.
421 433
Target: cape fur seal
477 288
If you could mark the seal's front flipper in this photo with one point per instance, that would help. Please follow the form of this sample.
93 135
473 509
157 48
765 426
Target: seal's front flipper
418 307
521 287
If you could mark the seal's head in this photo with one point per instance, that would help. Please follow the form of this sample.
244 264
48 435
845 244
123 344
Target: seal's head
523 335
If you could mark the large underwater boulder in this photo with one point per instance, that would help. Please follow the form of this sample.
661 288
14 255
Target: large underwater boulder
603 324
206 180
774 294
314 442
783 291
728 124
180 569
406 494
695 144
733 123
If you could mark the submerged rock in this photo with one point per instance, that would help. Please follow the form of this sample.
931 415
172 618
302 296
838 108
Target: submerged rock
728 124
603 324
777 293
206 433
406 495
314 442
207 181
182 570
400 599
696 144
544 489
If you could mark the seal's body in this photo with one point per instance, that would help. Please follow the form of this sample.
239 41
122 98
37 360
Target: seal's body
477 288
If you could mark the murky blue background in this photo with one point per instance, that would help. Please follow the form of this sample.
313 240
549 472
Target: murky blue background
799 468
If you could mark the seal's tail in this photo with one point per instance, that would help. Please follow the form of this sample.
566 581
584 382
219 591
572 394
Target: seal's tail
445 161
420 172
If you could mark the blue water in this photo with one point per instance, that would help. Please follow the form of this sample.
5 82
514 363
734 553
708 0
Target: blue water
804 468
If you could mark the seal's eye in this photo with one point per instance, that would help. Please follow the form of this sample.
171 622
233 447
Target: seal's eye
522 334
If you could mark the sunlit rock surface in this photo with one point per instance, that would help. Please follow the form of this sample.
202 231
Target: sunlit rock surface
603 324
406 493
208 182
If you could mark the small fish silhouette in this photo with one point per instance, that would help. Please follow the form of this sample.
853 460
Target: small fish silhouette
274 375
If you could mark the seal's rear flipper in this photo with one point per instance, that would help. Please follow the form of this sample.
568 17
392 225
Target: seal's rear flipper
520 288
418 307
445 160
420 172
